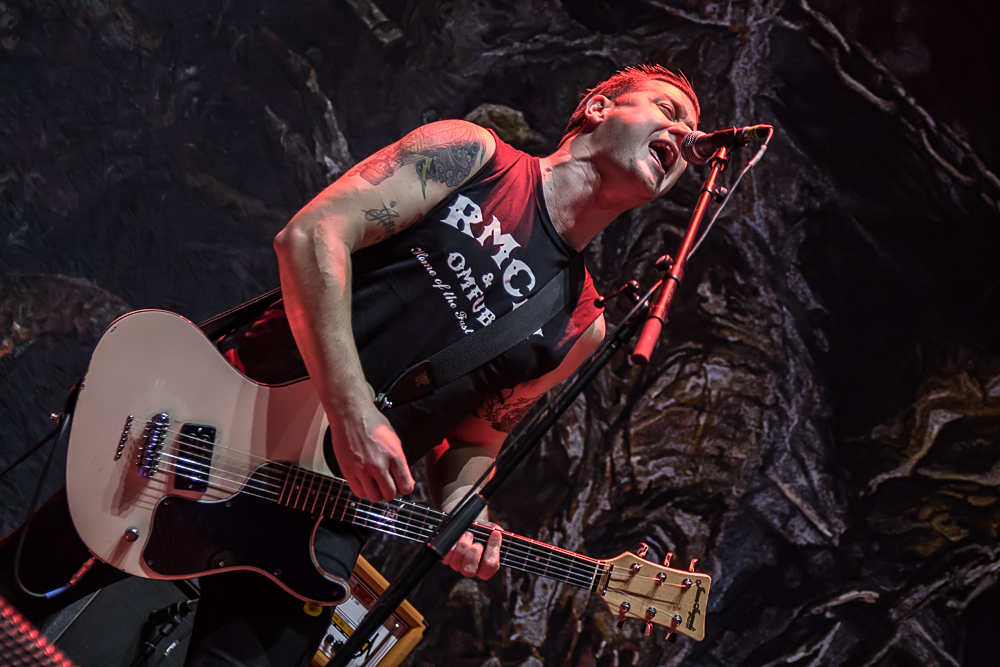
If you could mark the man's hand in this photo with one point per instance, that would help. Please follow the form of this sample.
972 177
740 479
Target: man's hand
471 559
370 455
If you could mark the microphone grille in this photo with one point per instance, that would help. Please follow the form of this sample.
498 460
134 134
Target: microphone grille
688 150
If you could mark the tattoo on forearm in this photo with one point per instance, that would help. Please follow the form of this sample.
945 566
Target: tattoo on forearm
502 413
443 154
386 217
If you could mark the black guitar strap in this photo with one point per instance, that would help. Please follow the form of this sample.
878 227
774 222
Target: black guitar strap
486 344
459 358
219 325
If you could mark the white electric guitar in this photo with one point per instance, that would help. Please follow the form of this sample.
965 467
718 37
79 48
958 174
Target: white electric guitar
179 466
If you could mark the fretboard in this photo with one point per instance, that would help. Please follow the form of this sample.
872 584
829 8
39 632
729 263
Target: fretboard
331 497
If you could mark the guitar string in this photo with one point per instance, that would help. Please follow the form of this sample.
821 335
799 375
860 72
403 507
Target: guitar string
277 480
572 560
565 559
386 523
580 565
627 579
627 592
204 446
569 561
567 564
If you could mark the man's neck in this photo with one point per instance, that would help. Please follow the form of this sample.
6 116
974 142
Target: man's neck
575 194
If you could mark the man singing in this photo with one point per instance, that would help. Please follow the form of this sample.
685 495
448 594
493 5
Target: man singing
429 240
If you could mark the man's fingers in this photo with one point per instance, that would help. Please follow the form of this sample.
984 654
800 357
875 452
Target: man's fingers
476 560
470 563
401 476
456 557
490 562
357 488
370 488
384 482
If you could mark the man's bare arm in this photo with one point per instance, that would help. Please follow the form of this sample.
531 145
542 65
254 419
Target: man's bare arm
376 199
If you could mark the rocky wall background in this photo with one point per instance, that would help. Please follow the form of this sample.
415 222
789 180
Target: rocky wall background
820 426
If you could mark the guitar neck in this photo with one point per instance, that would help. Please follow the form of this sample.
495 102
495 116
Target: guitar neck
332 498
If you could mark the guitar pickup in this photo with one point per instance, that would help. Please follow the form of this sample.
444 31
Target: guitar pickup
196 444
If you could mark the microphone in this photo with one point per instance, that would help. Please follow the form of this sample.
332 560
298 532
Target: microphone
697 146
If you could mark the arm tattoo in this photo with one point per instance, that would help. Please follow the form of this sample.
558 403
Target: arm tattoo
502 413
443 154
384 216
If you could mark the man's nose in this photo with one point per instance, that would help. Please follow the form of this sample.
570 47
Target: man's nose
678 131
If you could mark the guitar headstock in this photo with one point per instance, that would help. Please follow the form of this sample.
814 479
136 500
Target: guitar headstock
656 594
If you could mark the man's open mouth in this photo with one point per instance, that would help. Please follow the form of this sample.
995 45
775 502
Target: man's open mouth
664 154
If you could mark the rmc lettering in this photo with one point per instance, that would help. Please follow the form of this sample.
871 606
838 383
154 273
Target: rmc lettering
464 213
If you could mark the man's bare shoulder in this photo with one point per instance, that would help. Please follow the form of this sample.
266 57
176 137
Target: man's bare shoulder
446 152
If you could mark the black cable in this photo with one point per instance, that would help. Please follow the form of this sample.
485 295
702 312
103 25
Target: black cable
756 158
64 419
31 451
63 424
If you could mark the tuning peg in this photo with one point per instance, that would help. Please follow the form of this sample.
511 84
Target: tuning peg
636 567
661 577
641 551
622 612
694 562
666 559
650 613
686 584
672 633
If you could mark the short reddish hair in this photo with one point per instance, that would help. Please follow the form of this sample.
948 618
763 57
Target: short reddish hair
624 82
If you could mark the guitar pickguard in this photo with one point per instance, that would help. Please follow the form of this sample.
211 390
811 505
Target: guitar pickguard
191 538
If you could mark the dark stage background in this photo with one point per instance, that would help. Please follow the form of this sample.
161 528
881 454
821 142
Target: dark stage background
820 425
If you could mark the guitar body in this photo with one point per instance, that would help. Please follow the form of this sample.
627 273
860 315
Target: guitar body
173 461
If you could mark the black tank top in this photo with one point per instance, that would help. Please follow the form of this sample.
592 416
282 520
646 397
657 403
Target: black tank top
475 257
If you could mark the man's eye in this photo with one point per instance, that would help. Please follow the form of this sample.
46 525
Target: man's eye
667 109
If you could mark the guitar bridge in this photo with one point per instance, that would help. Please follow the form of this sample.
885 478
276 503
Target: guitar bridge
126 432
153 437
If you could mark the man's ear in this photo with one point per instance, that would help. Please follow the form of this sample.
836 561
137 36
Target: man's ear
596 110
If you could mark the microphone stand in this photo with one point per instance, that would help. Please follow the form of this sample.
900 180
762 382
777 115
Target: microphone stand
462 517
658 312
